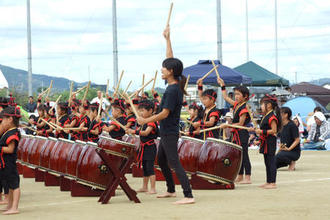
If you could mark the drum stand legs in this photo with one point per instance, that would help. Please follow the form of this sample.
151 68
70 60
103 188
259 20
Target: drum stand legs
200 183
118 179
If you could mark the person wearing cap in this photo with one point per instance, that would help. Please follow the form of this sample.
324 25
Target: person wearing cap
31 106
10 137
319 133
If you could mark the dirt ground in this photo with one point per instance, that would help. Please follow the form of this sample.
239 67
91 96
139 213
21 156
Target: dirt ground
302 194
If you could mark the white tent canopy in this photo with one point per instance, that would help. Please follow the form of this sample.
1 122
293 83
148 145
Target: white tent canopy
3 81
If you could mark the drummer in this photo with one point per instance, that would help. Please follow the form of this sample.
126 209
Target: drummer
147 152
241 117
95 128
63 119
211 115
84 121
118 111
130 117
169 118
196 115
74 120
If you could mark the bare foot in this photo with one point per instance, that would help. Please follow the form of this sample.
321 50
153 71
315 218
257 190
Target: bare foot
263 185
245 182
142 190
239 179
152 191
292 166
4 209
167 195
4 202
11 212
270 186
185 201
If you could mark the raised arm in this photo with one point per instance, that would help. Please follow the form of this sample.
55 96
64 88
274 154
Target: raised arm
224 92
200 88
166 34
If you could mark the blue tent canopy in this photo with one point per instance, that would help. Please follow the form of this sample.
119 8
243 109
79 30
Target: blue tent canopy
303 106
230 76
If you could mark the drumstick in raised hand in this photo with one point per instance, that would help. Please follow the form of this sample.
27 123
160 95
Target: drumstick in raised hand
58 99
216 69
131 103
138 91
142 90
100 106
129 84
70 96
153 85
169 15
86 92
118 84
187 81
50 88
208 73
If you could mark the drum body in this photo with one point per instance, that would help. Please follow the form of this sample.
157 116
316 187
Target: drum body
21 144
35 150
189 152
77 149
117 148
27 148
46 152
91 170
57 161
219 161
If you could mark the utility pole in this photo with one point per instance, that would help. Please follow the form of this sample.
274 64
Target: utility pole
247 29
276 51
220 101
115 49
29 47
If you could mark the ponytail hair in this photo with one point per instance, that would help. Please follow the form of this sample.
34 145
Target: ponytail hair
176 66
273 101
287 110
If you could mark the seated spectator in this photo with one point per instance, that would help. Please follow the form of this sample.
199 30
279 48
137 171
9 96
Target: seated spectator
310 120
289 151
319 133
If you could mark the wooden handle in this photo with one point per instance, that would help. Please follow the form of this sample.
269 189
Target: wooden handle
186 85
86 92
238 126
132 105
142 87
169 15
207 74
121 76
70 96
58 99
49 88
79 90
153 85
50 125
216 69
100 106
41 94
129 84
142 90
107 88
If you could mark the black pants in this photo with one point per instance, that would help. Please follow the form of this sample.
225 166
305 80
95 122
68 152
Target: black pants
148 167
246 165
284 158
4 187
168 156
270 168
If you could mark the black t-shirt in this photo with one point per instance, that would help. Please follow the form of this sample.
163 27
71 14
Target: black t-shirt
118 132
288 134
172 100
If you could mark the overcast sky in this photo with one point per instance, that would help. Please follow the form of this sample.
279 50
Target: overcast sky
70 35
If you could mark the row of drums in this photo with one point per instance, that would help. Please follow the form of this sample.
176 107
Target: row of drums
213 159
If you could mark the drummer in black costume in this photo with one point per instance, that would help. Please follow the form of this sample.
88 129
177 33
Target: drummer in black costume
95 127
211 114
63 119
118 112
169 118
196 115
130 118
147 151
242 118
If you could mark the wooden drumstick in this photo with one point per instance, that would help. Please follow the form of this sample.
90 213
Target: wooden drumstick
50 125
70 96
107 88
207 74
251 116
132 105
79 90
138 91
86 92
51 109
169 15
228 125
100 106
50 88
121 76
153 85
142 90
186 85
29 127
129 84
216 69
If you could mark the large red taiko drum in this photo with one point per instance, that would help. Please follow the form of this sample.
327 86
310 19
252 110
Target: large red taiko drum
189 152
57 161
46 153
35 151
27 148
77 149
219 161
21 144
